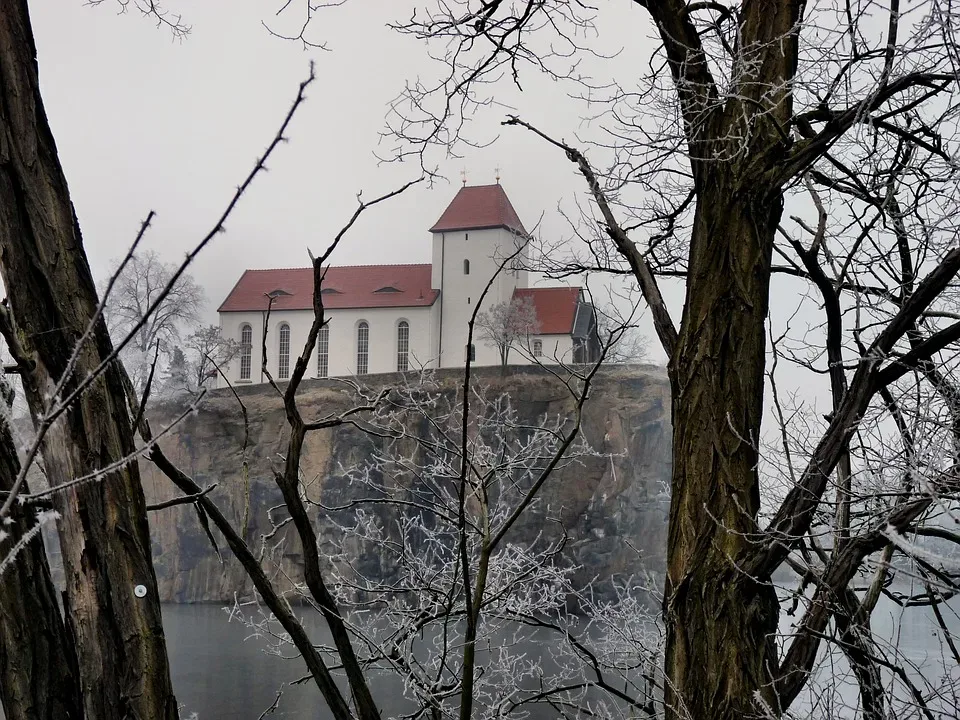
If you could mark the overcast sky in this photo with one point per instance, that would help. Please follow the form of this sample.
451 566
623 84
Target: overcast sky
143 123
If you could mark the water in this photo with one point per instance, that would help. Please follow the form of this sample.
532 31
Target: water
219 671
909 636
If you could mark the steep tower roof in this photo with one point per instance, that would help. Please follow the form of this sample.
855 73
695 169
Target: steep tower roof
479 207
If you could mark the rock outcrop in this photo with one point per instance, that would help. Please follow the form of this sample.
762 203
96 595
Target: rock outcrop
613 507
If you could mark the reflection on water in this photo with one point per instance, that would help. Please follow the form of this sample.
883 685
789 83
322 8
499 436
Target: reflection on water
221 672
909 636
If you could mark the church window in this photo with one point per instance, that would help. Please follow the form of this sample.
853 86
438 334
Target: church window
363 348
403 346
246 351
323 351
283 361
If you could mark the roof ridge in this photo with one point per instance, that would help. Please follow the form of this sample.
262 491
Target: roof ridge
307 267
553 287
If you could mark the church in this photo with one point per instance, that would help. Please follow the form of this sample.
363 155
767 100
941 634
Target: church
398 318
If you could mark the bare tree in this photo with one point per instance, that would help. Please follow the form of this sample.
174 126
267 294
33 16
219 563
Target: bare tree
441 511
38 678
53 327
846 113
508 324
193 367
744 109
132 307
108 656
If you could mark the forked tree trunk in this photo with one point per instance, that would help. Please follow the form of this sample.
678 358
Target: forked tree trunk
720 623
38 679
105 541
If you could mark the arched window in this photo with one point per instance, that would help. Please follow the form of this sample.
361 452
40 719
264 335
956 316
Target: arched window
466 267
537 348
363 348
246 351
403 346
283 360
323 351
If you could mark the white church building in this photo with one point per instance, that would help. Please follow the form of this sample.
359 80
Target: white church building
390 318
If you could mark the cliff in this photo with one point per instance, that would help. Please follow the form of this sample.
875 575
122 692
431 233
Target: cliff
613 507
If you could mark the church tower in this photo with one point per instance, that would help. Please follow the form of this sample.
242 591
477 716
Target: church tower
473 238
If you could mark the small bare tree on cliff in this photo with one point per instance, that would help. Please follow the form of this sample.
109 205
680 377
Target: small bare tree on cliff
508 324
132 309
193 364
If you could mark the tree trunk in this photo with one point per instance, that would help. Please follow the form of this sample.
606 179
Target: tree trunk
720 651
38 678
105 541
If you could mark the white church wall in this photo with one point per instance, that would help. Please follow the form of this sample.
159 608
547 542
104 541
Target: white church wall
383 324
342 346
436 260
555 350
231 325
485 250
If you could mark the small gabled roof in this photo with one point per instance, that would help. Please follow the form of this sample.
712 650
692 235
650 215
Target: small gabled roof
352 286
556 307
479 207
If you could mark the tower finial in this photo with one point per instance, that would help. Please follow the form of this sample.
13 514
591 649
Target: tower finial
463 176
497 171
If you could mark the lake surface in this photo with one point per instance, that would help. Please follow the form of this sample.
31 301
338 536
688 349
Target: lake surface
221 672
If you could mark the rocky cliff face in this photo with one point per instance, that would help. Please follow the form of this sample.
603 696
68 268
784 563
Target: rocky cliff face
613 507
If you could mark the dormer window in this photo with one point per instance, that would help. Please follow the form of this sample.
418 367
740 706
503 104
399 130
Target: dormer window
279 292
330 291
387 289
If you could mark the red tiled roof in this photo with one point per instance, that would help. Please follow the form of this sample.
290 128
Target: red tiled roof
556 307
479 207
356 287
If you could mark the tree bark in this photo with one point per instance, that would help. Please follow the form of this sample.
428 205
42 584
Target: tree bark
38 679
721 656
105 541
720 622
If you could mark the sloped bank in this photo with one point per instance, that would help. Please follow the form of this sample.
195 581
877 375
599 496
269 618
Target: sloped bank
613 508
